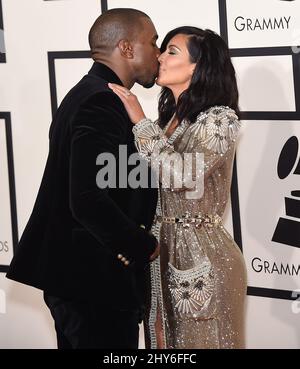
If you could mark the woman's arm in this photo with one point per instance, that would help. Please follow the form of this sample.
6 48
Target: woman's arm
213 134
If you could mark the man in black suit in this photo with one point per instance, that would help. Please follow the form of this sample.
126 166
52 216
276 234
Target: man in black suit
84 245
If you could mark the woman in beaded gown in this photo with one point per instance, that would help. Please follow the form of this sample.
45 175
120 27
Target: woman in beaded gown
198 284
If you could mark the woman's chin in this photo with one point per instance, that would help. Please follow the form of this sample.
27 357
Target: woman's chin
159 82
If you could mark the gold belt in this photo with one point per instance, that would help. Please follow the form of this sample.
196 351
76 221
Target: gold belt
186 220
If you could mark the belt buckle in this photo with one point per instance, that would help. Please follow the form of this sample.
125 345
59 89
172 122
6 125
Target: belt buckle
185 219
169 220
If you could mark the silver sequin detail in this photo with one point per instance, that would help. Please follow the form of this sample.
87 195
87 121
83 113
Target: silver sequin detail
199 309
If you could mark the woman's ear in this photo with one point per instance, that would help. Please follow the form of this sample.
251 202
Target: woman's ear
126 49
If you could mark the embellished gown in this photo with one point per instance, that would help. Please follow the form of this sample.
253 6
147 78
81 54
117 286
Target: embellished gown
198 284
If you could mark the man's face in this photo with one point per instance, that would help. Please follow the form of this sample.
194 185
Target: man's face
145 62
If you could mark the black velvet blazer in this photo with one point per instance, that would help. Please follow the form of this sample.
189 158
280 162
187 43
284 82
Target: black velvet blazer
70 245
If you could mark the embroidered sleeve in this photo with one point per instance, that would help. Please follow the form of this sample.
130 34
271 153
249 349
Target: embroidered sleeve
215 133
149 139
175 171
213 136
220 129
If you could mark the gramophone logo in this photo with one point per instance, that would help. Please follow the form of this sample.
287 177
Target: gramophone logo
288 230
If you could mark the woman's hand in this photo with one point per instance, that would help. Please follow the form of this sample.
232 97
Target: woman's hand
130 102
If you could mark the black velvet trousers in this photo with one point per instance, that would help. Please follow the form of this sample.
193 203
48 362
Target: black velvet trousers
90 325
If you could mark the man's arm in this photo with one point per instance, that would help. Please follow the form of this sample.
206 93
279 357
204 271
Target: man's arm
99 127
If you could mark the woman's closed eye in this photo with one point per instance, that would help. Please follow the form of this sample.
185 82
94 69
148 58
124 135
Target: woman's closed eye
173 50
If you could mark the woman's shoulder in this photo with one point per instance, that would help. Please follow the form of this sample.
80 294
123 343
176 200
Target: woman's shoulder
217 112
217 127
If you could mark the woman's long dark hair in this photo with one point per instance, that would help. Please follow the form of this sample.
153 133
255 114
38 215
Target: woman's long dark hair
213 81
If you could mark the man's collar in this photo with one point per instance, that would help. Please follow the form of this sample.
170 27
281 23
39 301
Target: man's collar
103 71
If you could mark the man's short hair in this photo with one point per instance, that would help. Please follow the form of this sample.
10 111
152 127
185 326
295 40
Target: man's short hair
113 26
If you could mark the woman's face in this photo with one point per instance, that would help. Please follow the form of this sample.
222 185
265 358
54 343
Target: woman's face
175 69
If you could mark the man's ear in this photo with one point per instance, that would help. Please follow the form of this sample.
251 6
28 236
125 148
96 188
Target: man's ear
126 49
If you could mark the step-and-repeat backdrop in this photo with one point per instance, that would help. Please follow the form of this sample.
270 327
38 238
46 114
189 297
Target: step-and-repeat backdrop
44 52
